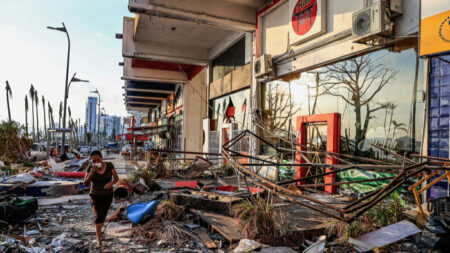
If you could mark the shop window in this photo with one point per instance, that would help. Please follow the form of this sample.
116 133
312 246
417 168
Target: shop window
377 95
178 138
232 108
231 59
179 96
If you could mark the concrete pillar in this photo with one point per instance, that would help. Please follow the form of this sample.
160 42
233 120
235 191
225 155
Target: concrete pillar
254 103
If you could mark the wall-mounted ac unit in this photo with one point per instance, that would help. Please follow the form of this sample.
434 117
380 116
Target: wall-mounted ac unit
370 23
263 66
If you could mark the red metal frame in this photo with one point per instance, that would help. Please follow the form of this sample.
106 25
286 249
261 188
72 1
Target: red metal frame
333 121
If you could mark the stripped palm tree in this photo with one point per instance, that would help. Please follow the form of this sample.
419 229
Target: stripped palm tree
36 100
70 113
80 130
45 119
26 114
31 93
50 116
60 113
8 94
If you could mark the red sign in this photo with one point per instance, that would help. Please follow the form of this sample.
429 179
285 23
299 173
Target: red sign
304 16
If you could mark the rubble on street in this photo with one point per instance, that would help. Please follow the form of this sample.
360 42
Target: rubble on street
160 209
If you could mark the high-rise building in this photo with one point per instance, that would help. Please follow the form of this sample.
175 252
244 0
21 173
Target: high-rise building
91 115
111 125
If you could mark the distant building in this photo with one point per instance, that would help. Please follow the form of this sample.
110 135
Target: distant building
111 125
91 116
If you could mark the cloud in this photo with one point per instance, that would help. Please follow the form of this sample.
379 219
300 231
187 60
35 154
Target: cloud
7 28
101 35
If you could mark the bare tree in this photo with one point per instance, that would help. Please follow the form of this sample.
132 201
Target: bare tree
362 79
36 101
26 114
399 126
8 94
31 93
279 108
45 119
51 122
60 113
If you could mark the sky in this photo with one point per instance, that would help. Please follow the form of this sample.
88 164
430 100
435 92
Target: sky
32 54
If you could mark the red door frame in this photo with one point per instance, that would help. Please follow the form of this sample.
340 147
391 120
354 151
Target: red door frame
333 121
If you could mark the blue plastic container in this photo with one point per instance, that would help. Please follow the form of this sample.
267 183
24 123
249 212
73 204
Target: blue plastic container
142 212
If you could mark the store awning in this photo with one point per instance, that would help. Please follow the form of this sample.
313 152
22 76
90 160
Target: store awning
151 130
146 94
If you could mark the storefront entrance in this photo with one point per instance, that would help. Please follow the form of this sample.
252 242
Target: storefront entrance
332 122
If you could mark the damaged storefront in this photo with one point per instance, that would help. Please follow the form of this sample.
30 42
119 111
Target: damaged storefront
335 88
229 96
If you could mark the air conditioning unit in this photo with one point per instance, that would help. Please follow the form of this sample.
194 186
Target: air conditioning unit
370 23
263 66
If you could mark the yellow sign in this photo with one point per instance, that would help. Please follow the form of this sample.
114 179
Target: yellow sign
435 34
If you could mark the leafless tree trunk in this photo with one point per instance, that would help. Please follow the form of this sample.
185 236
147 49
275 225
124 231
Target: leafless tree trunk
363 79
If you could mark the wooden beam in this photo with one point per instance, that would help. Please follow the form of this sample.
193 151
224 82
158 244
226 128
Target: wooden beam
142 103
150 91
146 98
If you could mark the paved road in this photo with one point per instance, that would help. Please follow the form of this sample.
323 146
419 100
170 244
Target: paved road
123 167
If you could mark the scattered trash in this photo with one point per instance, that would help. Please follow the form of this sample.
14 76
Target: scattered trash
119 229
435 235
385 236
247 245
196 215
141 212
62 200
205 238
122 192
170 211
22 178
13 210
318 246
196 168
33 232
62 241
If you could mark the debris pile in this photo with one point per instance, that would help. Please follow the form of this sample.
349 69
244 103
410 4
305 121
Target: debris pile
236 206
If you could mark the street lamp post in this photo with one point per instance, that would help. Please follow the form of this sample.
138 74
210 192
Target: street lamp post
67 85
63 29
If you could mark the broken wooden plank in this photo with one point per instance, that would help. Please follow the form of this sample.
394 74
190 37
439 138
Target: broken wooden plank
206 201
226 226
64 199
206 239
385 236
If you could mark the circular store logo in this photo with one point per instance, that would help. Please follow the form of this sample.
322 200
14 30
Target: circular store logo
444 30
304 16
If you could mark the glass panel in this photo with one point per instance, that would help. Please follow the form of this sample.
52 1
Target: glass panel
376 94
232 108
438 142
231 59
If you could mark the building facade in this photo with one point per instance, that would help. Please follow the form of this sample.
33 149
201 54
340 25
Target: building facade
279 68
110 126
